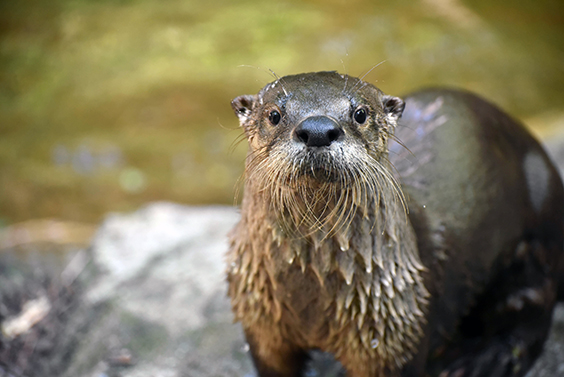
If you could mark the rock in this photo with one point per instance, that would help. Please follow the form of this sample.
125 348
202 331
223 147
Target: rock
151 301
161 284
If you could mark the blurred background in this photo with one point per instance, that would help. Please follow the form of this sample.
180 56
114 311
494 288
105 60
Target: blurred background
106 105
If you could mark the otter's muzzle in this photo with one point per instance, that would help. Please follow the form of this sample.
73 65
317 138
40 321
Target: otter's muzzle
318 131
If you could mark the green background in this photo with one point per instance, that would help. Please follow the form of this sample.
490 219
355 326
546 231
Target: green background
105 105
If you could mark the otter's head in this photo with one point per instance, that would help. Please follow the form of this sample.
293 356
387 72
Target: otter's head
318 146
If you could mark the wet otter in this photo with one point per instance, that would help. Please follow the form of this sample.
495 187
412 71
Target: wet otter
418 246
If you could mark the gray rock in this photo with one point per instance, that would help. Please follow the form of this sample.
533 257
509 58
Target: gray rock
161 279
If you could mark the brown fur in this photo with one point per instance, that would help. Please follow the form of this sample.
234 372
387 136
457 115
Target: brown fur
326 257
345 231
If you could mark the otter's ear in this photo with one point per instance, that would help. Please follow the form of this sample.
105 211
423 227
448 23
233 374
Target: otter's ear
393 106
243 105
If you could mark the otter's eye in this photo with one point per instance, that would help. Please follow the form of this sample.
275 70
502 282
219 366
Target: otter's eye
360 116
274 117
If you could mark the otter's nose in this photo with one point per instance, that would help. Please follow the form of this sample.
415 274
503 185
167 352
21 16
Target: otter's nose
318 131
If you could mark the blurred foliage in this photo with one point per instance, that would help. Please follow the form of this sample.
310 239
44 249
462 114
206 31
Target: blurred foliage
105 105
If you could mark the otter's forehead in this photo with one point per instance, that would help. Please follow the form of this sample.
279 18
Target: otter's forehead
304 105
319 92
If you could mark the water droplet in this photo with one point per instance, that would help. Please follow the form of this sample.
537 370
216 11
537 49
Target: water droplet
374 343
246 348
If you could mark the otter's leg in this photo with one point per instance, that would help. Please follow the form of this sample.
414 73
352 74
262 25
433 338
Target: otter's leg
504 333
275 357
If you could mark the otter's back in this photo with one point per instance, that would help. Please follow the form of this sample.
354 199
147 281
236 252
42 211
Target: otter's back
478 184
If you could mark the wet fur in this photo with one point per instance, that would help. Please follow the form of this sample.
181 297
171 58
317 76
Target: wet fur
326 257
335 216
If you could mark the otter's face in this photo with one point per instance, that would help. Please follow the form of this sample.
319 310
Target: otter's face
318 124
318 149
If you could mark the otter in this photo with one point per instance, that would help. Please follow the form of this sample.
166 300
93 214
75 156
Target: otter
405 237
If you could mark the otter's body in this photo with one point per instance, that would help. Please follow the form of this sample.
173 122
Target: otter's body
325 256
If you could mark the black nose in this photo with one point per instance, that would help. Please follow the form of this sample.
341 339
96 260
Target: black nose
318 131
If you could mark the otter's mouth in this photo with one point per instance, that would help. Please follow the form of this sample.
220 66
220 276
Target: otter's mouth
321 166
